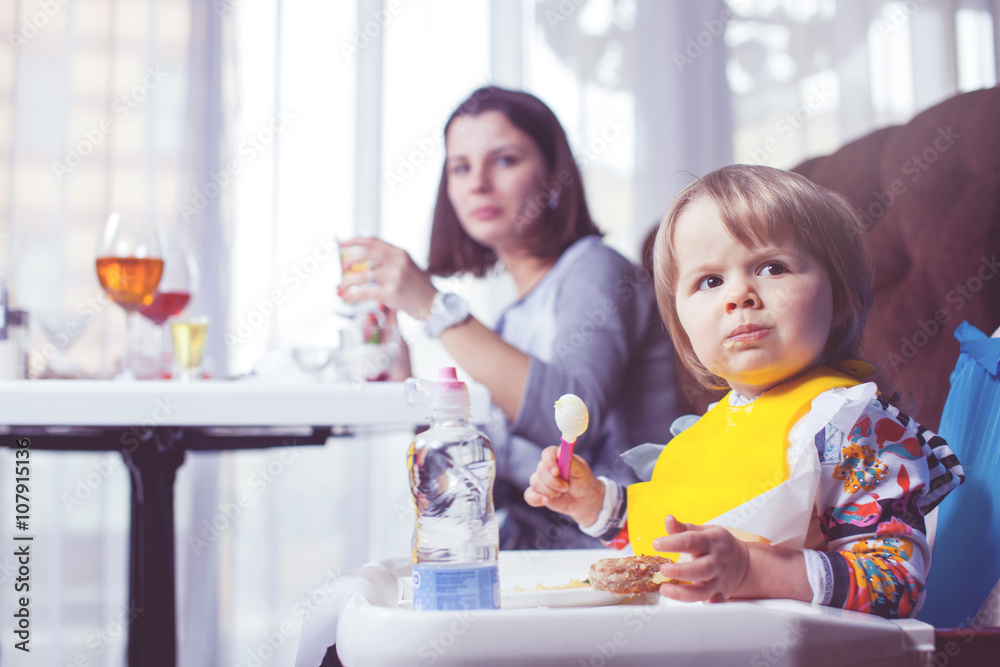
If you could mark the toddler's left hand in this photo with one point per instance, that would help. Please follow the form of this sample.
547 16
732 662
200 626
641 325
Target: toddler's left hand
719 561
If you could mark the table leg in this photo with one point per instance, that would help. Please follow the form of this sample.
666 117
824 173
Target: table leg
152 637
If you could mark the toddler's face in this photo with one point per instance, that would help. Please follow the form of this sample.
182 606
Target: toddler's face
755 316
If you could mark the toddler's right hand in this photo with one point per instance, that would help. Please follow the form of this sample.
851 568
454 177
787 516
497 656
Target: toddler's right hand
581 497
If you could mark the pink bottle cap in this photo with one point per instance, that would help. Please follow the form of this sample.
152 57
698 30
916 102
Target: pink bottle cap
448 379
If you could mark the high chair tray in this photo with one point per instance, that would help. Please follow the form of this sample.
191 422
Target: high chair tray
383 629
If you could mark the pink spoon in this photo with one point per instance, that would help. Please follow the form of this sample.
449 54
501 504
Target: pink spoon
571 418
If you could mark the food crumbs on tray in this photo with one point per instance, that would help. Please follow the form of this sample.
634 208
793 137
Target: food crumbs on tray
572 583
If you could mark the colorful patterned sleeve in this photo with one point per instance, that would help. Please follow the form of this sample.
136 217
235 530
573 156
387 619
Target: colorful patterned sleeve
877 483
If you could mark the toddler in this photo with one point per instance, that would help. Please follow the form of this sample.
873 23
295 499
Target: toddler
764 281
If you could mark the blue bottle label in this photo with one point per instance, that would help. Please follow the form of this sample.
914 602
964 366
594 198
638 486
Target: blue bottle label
440 587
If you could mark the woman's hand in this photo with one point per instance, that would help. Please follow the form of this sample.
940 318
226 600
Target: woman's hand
581 497
717 568
394 278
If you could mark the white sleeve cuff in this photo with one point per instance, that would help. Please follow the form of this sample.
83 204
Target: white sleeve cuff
820 576
609 509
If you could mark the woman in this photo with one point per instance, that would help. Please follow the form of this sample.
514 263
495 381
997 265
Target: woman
585 321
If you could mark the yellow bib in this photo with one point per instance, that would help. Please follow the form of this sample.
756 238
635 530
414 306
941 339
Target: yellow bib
729 456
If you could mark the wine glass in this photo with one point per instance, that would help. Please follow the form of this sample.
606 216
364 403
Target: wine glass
313 360
44 284
369 343
129 267
179 281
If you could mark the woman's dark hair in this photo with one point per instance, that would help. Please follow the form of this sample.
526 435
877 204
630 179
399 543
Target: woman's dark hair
453 251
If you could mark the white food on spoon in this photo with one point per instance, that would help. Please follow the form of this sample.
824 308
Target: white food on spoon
571 417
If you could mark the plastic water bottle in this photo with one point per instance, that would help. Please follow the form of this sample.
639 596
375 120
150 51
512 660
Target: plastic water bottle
452 469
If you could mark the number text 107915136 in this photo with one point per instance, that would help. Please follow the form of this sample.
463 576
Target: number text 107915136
22 544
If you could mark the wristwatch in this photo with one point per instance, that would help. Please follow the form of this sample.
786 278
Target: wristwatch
447 310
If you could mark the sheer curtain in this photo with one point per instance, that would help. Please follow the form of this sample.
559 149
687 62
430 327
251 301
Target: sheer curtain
636 120
266 128
111 105
808 77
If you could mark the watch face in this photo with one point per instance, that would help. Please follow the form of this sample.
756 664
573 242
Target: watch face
450 310
456 307
451 302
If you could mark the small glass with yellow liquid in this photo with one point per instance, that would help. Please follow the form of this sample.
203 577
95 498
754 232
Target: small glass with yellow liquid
353 261
189 347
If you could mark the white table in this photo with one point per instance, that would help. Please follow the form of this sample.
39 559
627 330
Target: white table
211 403
153 424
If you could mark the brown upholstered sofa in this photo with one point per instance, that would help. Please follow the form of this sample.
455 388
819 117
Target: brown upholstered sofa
930 192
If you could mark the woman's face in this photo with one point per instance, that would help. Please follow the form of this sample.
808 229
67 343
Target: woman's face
496 174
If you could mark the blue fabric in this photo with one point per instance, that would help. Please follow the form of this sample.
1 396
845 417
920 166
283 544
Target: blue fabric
966 562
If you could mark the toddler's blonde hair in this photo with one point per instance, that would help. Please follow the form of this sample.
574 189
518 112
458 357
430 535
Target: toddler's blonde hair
760 204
